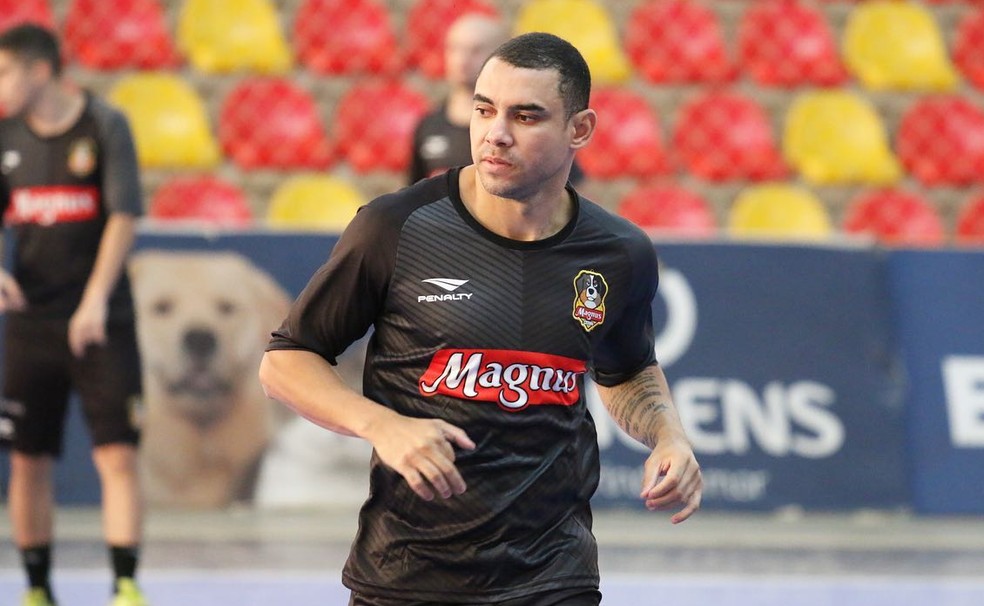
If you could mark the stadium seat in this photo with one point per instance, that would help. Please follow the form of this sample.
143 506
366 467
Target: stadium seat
890 45
16 12
336 37
894 218
313 202
836 137
222 36
778 211
627 141
668 209
941 141
721 136
168 120
374 123
427 26
970 222
787 43
268 122
116 35
588 26
969 49
202 200
677 41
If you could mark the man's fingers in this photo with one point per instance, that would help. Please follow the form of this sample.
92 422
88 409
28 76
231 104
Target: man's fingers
457 435
436 476
419 485
689 510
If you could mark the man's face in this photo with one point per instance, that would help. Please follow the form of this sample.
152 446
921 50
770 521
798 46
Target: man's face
18 83
468 43
520 135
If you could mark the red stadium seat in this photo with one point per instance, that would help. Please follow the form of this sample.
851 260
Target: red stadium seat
970 222
346 37
374 124
16 12
723 136
201 200
669 209
895 218
968 52
941 141
269 122
627 141
427 25
121 34
677 41
786 43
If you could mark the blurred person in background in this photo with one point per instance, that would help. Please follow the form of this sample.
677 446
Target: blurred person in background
441 139
493 289
70 191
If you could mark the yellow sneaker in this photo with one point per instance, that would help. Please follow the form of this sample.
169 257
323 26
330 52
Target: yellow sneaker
36 597
128 594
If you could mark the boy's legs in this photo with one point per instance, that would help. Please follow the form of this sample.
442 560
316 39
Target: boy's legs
108 380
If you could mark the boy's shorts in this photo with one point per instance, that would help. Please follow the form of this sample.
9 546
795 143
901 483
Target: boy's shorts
40 373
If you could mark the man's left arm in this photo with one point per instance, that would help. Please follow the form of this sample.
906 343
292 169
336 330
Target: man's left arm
643 407
122 198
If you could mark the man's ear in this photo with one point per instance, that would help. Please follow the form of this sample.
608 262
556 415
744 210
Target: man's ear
584 123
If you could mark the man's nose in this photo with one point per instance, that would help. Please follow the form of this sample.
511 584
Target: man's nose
498 133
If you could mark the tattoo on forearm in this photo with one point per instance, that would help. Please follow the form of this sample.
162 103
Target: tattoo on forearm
639 406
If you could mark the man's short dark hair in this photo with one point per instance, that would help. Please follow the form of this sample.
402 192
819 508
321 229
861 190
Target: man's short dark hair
538 50
30 42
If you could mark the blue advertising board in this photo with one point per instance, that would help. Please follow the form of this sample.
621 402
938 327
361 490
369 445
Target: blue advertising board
782 366
939 306
822 377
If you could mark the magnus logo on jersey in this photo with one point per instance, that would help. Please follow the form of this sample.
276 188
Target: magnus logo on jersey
590 290
53 204
448 284
512 379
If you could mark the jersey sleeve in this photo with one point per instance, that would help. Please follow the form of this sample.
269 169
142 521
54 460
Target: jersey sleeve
120 171
344 296
627 347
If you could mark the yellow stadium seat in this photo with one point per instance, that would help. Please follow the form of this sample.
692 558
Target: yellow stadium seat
222 36
314 202
168 119
837 137
585 24
778 211
891 45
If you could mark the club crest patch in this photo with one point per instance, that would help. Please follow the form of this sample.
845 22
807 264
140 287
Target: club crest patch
82 157
590 290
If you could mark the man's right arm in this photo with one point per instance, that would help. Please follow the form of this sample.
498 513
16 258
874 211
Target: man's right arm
421 450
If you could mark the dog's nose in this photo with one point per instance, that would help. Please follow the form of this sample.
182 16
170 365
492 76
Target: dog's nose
199 343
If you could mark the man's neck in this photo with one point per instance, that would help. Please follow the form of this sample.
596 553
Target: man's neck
56 110
523 220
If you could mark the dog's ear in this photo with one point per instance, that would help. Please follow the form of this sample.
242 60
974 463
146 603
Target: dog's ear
272 300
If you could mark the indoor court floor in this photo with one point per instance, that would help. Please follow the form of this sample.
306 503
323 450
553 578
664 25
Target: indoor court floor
250 557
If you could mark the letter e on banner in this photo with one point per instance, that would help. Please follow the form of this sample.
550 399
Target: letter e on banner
963 380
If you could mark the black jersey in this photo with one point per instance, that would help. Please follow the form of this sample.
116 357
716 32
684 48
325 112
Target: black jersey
494 336
57 193
439 145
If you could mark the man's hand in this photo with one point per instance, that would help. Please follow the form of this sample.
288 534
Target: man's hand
672 478
11 296
422 451
87 326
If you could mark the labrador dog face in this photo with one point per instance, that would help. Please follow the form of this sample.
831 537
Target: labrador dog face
202 319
